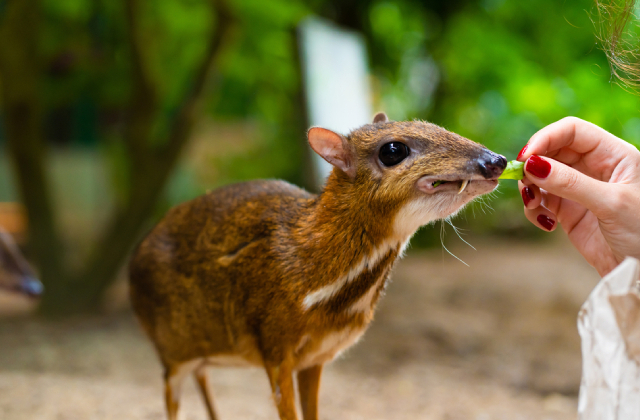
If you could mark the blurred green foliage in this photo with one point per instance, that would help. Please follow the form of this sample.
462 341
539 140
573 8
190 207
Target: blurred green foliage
530 64
495 71
261 81
506 69
492 70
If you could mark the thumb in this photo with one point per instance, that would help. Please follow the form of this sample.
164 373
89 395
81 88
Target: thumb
566 182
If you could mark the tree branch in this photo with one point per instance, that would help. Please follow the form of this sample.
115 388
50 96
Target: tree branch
144 102
127 223
183 123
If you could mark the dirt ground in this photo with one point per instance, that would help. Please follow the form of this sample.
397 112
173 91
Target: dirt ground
496 340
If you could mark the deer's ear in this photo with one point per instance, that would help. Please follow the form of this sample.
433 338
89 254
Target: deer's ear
380 117
333 148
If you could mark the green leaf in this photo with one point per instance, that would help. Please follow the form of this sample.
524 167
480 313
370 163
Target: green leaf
514 170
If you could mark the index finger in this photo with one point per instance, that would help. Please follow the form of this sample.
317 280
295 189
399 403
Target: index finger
578 135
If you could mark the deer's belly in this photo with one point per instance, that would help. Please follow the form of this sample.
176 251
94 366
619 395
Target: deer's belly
326 348
245 353
234 360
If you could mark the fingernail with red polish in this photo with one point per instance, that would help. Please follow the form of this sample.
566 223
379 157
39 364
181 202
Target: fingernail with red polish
546 222
527 195
524 149
538 167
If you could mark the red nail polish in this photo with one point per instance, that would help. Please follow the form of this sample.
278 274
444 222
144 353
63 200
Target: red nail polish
538 167
546 222
524 149
527 195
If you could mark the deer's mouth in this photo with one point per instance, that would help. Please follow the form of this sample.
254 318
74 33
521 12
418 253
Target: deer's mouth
475 186
463 184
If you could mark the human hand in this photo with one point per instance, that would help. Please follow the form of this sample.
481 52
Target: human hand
589 182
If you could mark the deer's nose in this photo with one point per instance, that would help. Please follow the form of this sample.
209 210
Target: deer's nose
32 286
491 164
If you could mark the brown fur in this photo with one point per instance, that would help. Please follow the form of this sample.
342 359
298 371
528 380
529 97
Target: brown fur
227 273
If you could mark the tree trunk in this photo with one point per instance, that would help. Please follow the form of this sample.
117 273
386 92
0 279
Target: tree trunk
150 166
150 169
21 73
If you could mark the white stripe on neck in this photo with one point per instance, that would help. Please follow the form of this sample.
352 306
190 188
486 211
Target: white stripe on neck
414 214
364 304
366 263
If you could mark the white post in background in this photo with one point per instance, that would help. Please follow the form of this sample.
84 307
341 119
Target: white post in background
609 325
336 81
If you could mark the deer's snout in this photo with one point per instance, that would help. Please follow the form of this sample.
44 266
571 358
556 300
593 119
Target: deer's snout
491 164
31 286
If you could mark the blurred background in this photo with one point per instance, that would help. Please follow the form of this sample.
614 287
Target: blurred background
113 111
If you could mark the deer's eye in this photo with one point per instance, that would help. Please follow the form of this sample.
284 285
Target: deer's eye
393 153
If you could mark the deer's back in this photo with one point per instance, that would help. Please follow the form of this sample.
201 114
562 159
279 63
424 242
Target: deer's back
194 276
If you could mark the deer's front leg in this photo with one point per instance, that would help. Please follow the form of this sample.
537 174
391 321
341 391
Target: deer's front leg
308 387
281 379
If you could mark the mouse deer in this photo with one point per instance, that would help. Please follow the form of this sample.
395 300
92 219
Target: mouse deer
16 274
264 273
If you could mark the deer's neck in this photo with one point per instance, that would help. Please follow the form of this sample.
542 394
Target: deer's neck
350 245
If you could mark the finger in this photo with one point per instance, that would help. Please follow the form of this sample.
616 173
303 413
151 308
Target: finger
568 213
578 135
588 239
550 201
530 195
541 217
566 156
566 182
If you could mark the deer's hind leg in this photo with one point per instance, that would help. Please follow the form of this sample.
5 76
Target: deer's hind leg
204 384
174 377
308 387
281 379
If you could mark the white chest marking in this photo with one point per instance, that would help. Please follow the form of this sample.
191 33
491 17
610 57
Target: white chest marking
367 263
364 303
